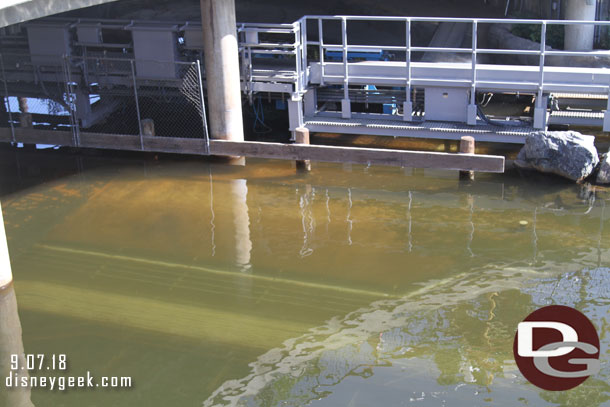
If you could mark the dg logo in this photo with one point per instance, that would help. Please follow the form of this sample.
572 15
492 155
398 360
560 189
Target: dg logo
556 348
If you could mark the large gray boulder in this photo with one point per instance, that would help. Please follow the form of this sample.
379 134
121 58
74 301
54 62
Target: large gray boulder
603 174
565 153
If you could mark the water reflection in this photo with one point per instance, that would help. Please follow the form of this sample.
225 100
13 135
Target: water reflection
457 332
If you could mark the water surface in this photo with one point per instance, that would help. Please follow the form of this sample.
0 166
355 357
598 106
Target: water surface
222 285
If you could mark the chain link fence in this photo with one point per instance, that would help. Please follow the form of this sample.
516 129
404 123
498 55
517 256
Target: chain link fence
110 96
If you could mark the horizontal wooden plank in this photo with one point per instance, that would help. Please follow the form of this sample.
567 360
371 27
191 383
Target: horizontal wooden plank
175 145
109 141
356 155
37 136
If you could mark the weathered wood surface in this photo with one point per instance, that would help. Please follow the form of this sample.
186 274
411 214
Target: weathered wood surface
356 155
400 158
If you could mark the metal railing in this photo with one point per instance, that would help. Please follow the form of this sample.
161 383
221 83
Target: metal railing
345 47
106 95
275 43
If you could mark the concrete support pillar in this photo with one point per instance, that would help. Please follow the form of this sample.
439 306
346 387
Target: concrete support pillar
222 69
580 37
467 147
6 276
302 137
11 343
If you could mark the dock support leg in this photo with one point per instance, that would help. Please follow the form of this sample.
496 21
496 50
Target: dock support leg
540 113
309 102
222 69
407 111
295 114
346 108
467 147
6 276
302 137
472 115
607 120
606 125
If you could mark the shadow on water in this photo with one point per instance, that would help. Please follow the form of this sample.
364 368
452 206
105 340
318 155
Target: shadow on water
258 286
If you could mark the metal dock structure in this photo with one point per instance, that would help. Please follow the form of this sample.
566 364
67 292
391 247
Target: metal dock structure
140 85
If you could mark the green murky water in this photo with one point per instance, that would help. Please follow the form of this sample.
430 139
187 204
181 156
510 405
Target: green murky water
220 285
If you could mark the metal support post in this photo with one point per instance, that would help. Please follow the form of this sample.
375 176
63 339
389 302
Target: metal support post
408 105
472 107
135 93
321 50
204 119
606 126
346 107
540 109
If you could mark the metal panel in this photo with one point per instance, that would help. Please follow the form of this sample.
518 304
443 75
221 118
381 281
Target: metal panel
155 52
193 38
89 33
446 104
48 43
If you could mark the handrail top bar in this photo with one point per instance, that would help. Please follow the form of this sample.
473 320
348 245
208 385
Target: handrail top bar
455 19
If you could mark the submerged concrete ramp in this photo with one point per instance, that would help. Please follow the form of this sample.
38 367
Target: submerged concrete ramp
18 11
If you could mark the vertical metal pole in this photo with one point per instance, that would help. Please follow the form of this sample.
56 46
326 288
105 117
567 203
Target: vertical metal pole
474 63
471 114
542 54
321 50
70 99
135 94
250 67
203 115
346 109
540 108
408 106
303 24
8 103
297 57
345 67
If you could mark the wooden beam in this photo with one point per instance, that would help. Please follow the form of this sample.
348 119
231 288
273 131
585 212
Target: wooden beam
399 158
356 155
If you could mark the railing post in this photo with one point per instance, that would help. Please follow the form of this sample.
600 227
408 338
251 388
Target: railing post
346 108
70 100
304 73
249 52
135 93
472 107
321 50
297 52
204 119
8 103
540 109
408 106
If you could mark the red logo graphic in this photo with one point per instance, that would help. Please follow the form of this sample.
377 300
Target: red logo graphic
556 348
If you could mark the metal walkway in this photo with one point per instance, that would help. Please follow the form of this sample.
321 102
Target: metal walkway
331 81
427 129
